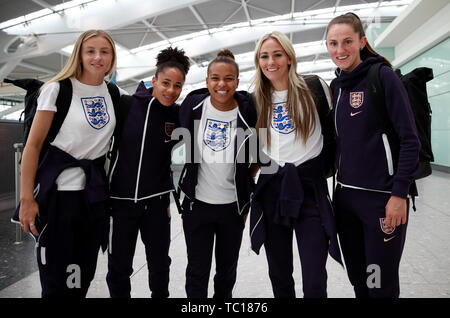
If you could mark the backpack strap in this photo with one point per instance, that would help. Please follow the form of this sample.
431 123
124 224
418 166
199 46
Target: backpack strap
121 111
62 104
114 93
378 99
326 123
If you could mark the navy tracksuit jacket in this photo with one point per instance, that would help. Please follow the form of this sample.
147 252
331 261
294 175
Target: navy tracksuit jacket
140 185
207 224
371 168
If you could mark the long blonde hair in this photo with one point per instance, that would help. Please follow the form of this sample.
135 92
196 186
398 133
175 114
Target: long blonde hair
300 103
74 68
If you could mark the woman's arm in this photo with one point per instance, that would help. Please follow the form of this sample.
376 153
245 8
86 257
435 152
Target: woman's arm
402 118
28 206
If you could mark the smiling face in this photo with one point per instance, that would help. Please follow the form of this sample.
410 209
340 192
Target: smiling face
222 82
344 46
274 63
168 85
96 58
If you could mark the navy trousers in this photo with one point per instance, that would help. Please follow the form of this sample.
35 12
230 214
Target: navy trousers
150 218
312 244
68 246
201 225
368 246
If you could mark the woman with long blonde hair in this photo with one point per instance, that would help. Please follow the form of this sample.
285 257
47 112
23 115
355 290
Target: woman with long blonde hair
294 198
62 202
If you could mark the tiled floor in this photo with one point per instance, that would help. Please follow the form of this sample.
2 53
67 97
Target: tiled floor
424 270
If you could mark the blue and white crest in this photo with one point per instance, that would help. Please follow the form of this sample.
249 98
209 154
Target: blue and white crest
217 134
281 121
96 111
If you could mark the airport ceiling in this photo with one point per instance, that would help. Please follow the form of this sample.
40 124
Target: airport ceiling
35 35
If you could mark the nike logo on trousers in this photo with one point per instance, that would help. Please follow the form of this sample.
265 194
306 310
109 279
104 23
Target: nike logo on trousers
388 239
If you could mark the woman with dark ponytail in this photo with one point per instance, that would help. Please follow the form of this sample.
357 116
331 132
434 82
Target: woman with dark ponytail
141 179
375 170
217 187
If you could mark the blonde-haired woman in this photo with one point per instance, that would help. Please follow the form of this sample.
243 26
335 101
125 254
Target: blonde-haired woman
294 197
62 200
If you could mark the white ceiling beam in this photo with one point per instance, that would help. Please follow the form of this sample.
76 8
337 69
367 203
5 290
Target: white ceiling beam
36 67
137 64
199 45
7 68
198 17
413 17
291 35
155 30
247 14
420 27
336 5
255 7
245 60
44 4
314 5
54 32
230 16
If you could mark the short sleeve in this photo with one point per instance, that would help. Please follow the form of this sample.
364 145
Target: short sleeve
47 97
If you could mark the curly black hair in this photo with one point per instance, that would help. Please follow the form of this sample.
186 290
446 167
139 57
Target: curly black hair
172 57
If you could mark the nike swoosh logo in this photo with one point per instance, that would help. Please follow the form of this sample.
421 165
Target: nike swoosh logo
388 239
167 140
354 114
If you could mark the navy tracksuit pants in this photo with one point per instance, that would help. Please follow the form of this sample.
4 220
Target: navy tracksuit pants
150 218
201 224
68 246
365 246
312 244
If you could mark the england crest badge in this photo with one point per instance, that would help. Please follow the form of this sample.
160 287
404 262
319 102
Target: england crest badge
168 127
388 229
356 99
217 134
96 111
281 121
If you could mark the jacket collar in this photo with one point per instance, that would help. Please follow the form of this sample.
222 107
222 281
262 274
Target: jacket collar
349 79
197 98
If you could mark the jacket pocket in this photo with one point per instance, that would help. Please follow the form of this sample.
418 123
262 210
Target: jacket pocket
387 149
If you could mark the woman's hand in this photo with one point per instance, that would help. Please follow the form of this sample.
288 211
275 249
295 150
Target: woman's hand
28 206
395 211
27 215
